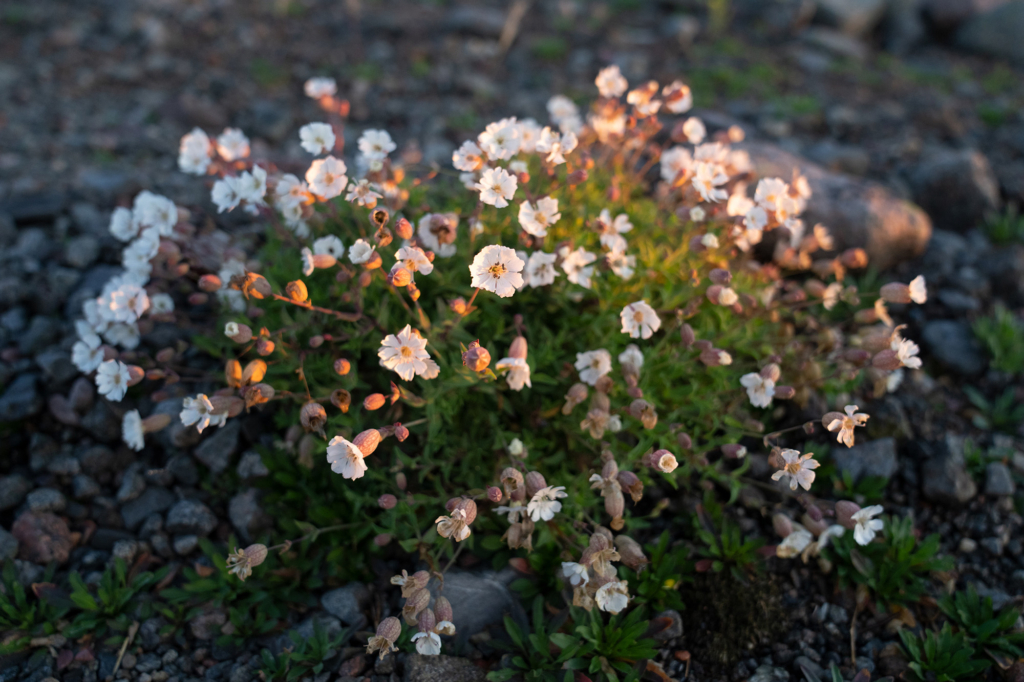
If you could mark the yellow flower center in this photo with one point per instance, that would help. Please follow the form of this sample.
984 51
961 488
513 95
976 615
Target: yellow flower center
638 316
793 467
405 351
497 270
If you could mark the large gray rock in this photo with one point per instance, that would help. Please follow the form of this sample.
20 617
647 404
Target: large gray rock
999 480
247 516
191 517
153 501
479 599
996 33
944 475
946 15
952 343
218 448
858 213
13 489
21 399
853 17
871 458
347 603
957 188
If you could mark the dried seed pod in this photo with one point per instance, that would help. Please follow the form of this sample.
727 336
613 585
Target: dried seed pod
415 603
341 399
443 609
403 228
254 372
614 503
374 401
576 395
367 441
631 484
631 553
476 358
342 366
380 217
313 417
209 283
896 292
687 336
426 621
511 480
662 460
258 394
468 507
297 291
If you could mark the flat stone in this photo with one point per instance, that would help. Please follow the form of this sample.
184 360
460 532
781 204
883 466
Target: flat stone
871 458
42 537
853 17
996 33
20 399
347 603
133 483
97 459
64 465
217 448
420 668
85 487
45 500
858 213
184 469
191 517
8 546
944 474
956 187
247 516
13 489
153 501
185 544
999 480
479 599
251 466
952 343
56 365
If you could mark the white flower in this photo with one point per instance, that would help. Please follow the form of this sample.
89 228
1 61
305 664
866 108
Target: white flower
576 265
307 263
918 290
675 162
537 220
363 193
496 187
760 390
830 297
161 303
544 504
432 227
376 144
621 264
345 458
893 381
514 511
497 269
576 573
906 351
122 334
800 470
677 96
330 246
87 354
194 152
468 157
414 259
501 139
518 372
706 179
632 359
515 448
226 194
561 108
252 186
360 252
846 424
864 531
317 138
611 230
232 144
112 379
614 423
639 320
540 269
404 353
795 543
290 191
320 87
131 430
326 177
128 302
769 192
612 597
557 146
156 211
199 411
593 365
694 130
121 225
697 214
427 643
610 82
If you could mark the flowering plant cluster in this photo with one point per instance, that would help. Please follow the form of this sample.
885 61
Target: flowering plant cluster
508 349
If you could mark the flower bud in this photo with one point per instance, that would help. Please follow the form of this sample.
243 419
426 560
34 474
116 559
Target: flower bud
367 441
771 371
784 392
534 482
684 441
426 621
254 372
443 609
815 288
830 417
258 394
209 283
576 395
720 276
313 417
374 401
413 292
577 177
374 262
476 358
887 360
614 504
297 291
322 261
316 341
135 374
896 292
387 501
844 513
401 433
687 335
399 276
459 306
814 512
198 298
382 540
783 525
857 356
494 494
341 399
714 293
400 480
239 333
631 553
854 259
403 228
364 279
264 346
518 348
734 451
156 422
342 366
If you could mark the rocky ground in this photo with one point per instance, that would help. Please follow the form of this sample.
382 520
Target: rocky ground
878 101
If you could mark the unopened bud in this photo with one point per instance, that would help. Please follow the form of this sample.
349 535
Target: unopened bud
403 228
399 276
577 176
387 501
771 371
382 539
783 525
687 336
887 360
297 291
239 333
684 441
458 306
645 412
209 283
264 346
631 553
342 366
165 355
374 401
734 451
198 298
135 374
476 358
518 348
784 392
844 513
364 279
367 441
857 356
401 433
341 399
400 481
494 494
720 276
534 483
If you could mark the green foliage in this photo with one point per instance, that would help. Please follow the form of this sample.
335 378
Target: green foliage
977 458
866 490
117 601
1003 414
1007 227
974 617
658 584
725 548
305 659
24 613
943 657
896 568
1003 336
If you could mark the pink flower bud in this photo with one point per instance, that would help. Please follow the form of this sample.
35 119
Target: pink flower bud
771 371
887 360
734 451
720 276
476 358
401 433
209 283
784 392
198 298
687 336
443 609
404 231
844 513
374 401
684 440
400 481
896 292
783 525
494 494
367 441
382 540
135 374
387 501
857 356
534 482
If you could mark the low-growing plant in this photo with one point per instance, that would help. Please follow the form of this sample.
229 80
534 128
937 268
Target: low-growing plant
945 656
1004 413
115 602
1007 227
482 381
1003 336
895 567
24 613
304 659
974 616
670 566
724 546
